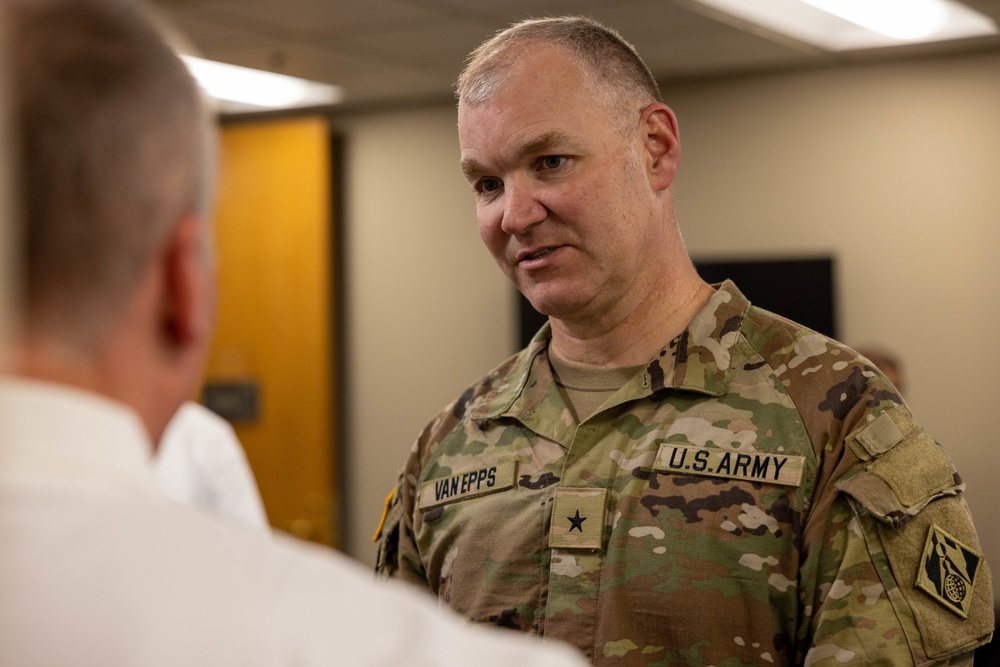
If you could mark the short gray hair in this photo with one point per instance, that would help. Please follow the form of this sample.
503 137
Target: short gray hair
114 149
619 73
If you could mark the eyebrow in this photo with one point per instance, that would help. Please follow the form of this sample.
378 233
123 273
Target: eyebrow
539 144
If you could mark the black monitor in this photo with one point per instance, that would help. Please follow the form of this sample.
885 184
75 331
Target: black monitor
801 289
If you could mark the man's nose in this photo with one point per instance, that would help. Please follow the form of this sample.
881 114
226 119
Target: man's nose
522 207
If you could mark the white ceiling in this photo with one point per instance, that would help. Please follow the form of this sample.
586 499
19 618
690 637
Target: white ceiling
391 52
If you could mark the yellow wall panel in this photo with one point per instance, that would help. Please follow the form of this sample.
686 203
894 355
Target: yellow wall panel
273 239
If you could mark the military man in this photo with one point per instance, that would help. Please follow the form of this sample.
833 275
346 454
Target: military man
666 474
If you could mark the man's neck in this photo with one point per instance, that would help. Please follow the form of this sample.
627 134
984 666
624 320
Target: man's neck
48 361
660 317
105 371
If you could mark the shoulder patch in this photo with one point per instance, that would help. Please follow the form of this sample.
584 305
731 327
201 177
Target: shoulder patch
385 513
937 578
947 571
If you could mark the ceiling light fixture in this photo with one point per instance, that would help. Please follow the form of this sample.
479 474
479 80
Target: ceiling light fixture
252 89
905 20
842 25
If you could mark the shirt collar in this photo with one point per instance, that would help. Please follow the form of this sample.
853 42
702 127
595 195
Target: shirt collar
54 430
698 361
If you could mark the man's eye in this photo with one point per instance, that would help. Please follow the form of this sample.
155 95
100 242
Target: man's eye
488 185
553 161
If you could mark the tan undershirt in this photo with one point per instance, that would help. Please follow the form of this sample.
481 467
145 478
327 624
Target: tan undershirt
586 389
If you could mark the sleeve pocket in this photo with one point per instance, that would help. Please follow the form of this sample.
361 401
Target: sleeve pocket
898 484
910 494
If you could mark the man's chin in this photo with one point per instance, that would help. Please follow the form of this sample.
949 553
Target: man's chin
553 306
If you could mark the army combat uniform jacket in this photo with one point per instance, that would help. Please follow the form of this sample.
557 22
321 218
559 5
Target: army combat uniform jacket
757 495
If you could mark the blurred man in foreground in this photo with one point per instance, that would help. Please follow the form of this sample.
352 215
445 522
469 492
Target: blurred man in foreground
97 567
666 474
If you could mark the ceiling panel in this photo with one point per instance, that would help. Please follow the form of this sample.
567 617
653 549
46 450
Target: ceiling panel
363 79
510 11
395 51
445 42
308 17
210 36
676 42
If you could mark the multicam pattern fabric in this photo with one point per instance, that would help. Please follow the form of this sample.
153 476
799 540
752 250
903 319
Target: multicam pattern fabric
757 495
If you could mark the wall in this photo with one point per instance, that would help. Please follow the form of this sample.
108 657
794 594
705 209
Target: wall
889 167
428 312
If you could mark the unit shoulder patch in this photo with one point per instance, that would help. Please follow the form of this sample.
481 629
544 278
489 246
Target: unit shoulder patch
947 571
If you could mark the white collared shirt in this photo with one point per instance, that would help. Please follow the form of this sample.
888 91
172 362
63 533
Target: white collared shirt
200 462
98 568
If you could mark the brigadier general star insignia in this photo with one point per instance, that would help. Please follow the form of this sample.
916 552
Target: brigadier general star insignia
576 522
578 518
948 571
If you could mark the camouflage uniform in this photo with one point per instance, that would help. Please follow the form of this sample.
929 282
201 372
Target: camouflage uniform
757 495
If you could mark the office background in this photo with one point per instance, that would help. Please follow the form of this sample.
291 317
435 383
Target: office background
886 162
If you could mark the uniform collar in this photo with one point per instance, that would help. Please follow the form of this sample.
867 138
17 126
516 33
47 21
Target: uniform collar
697 361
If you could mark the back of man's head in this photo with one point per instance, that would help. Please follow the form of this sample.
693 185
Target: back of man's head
620 76
112 153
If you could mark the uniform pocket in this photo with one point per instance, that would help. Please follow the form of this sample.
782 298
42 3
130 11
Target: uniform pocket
921 539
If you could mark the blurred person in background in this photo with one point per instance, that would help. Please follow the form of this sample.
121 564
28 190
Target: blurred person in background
888 363
97 566
200 462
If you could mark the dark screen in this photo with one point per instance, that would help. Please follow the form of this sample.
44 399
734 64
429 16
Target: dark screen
800 289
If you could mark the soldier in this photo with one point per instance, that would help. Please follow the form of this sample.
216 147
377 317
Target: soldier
666 474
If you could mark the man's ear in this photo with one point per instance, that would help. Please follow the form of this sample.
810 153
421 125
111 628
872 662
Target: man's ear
662 143
187 309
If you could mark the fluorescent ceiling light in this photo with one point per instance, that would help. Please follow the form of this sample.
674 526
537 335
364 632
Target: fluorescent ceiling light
252 89
842 25
905 20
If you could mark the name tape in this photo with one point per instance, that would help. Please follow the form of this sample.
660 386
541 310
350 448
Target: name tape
750 466
468 484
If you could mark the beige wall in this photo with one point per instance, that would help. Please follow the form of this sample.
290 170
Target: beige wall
891 168
428 311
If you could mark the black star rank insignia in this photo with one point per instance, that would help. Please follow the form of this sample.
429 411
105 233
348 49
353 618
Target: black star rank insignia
578 518
947 571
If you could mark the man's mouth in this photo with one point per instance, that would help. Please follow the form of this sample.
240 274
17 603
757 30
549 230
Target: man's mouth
540 253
